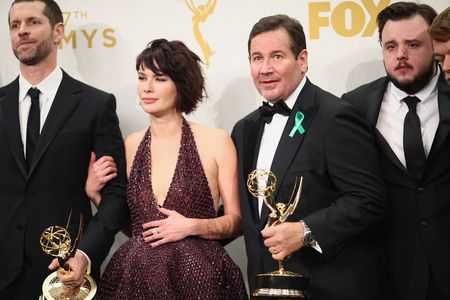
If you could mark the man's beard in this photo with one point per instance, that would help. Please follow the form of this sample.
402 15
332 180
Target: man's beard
38 54
418 83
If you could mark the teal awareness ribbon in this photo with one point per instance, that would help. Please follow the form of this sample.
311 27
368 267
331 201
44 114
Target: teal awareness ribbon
299 116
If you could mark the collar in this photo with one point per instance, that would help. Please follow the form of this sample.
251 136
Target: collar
48 87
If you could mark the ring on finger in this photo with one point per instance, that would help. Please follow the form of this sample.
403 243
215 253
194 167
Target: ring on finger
154 231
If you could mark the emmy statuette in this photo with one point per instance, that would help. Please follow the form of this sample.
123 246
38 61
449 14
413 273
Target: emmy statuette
280 283
56 241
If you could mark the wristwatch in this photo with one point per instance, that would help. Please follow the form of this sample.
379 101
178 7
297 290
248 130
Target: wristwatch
307 238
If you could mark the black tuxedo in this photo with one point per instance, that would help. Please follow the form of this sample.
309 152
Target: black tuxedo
418 221
82 119
343 196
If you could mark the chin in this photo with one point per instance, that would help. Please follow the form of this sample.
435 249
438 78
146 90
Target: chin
271 98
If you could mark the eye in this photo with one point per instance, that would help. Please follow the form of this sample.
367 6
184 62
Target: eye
161 78
14 26
413 45
389 47
141 78
256 58
278 56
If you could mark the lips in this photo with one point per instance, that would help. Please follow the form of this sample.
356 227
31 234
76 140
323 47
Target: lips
403 67
25 44
268 82
149 100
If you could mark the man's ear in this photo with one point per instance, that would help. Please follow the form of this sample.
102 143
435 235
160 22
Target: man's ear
58 31
303 59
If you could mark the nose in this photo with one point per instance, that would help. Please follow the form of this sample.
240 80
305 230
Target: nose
402 52
23 29
148 88
266 67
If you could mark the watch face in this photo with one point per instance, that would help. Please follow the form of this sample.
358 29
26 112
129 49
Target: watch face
308 239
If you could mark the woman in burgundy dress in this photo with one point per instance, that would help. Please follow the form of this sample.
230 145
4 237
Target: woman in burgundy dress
177 172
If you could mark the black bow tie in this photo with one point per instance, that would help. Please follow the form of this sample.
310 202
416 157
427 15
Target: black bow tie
267 111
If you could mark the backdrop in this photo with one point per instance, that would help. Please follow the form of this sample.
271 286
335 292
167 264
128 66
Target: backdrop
103 38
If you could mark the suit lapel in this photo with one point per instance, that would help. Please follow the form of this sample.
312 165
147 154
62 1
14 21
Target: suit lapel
444 117
66 100
374 100
9 123
289 146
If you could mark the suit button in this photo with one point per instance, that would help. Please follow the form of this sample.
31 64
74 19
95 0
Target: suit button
420 189
20 227
423 224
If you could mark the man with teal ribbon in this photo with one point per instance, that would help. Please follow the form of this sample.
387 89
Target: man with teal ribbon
331 235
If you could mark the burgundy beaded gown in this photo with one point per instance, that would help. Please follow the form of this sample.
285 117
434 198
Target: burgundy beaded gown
192 268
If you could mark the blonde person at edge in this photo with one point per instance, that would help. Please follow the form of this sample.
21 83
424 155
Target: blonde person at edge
440 33
177 172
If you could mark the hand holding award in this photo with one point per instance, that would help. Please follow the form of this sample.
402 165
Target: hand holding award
280 283
56 241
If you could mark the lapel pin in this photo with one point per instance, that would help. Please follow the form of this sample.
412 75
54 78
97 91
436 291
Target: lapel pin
299 116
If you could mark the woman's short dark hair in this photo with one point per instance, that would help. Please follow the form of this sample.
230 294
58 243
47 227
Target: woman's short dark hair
291 25
402 11
174 59
52 11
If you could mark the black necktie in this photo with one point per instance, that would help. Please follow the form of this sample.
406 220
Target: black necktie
267 111
33 125
412 140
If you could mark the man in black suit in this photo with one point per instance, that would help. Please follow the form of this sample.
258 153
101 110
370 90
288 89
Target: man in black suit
332 235
414 145
49 125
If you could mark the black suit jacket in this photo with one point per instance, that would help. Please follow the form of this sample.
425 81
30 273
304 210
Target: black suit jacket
82 119
343 196
418 222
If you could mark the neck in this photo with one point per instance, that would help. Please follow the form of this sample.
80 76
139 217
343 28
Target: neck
37 73
167 126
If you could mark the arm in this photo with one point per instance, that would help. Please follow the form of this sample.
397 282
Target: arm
177 227
353 169
112 212
99 173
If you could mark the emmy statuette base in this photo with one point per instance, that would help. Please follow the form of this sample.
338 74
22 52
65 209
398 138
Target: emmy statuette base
282 285
52 289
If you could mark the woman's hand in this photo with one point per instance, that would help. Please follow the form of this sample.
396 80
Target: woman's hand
174 228
99 173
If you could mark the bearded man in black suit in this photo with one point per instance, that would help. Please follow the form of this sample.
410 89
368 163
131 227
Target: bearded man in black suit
414 144
49 125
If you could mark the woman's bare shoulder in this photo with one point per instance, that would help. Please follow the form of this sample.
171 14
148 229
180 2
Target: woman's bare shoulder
210 133
217 141
135 138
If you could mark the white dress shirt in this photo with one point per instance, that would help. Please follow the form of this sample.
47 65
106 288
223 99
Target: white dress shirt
393 111
269 143
48 88
271 137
